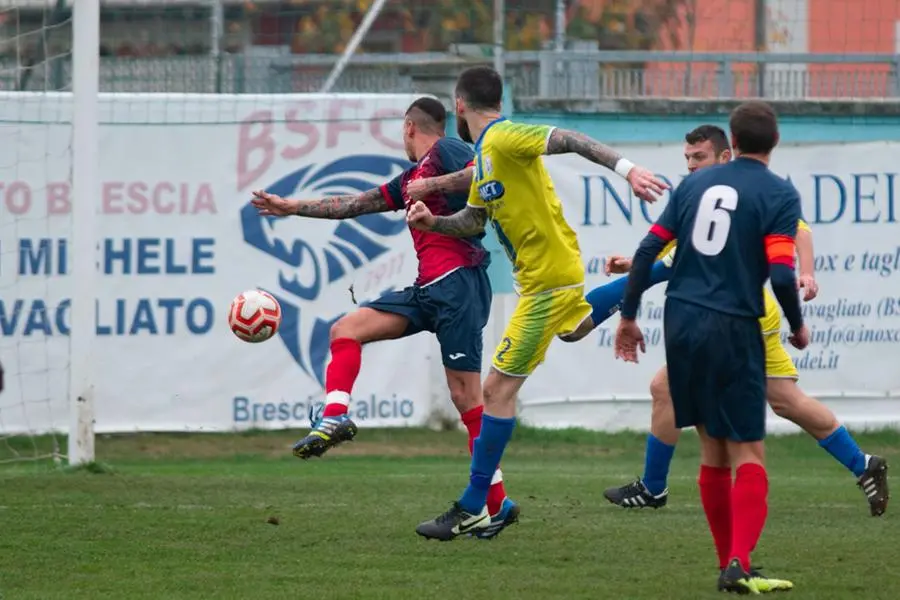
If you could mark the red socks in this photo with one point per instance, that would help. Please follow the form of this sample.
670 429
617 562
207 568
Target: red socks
749 510
340 375
715 496
496 494
736 514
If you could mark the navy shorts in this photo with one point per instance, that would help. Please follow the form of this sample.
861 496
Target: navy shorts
717 371
455 308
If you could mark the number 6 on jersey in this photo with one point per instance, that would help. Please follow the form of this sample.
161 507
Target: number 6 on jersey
713 220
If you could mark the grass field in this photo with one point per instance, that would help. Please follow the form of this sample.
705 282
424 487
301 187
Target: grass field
186 517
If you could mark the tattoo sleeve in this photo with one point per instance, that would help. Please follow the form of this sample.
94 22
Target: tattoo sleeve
344 207
465 223
458 181
566 141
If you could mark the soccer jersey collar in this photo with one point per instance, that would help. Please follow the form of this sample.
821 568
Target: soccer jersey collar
485 130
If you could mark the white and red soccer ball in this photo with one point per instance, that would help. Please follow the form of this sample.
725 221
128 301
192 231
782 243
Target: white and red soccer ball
254 316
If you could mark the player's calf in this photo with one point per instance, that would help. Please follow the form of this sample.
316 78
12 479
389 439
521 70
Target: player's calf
789 402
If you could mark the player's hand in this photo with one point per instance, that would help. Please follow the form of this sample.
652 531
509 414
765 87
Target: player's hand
628 340
646 186
419 217
800 338
810 288
417 190
270 205
617 265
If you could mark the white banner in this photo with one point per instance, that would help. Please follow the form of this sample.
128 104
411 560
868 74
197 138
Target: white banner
848 196
178 240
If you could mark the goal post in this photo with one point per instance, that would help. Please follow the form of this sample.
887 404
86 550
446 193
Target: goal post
85 194
49 196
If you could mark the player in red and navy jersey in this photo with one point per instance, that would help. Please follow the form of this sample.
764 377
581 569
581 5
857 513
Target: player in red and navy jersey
737 223
451 296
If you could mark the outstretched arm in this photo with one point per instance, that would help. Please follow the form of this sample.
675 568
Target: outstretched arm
330 207
566 141
644 183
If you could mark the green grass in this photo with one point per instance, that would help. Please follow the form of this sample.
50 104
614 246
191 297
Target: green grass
185 516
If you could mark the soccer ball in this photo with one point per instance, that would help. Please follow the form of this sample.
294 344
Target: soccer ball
254 316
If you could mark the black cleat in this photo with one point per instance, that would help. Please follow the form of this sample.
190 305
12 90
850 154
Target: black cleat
734 579
636 495
766 584
873 482
453 523
506 516
327 433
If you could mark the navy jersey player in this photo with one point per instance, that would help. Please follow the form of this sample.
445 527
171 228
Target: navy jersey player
737 223
451 296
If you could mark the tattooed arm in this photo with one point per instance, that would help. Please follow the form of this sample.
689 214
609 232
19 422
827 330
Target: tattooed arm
566 141
465 223
644 183
330 207
344 207
456 182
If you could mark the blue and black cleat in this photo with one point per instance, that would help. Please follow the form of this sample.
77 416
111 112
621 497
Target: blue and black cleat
506 516
326 433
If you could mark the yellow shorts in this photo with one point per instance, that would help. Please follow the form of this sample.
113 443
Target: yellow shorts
535 322
779 364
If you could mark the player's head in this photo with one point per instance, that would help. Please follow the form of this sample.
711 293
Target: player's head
754 128
705 146
424 121
478 89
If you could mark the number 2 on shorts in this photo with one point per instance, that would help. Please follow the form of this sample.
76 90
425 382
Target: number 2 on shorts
504 348
713 220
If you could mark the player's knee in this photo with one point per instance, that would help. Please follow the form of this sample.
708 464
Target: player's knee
573 337
342 328
782 396
659 388
584 328
500 392
465 390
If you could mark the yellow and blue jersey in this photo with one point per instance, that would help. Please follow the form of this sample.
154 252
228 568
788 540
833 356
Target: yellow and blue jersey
513 185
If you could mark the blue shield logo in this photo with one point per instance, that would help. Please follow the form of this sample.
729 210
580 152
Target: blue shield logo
309 266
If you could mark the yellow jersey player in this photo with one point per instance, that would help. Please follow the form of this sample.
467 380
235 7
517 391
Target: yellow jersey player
513 190
705 146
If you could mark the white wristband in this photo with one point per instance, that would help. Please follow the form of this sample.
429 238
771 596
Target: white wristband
624 167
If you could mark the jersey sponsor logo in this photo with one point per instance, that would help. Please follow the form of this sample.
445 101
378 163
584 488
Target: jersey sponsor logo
303 268
491 191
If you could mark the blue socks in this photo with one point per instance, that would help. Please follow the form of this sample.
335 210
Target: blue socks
844 449
606 300
486 454
657 458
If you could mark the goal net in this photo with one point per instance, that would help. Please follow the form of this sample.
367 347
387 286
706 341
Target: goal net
35 226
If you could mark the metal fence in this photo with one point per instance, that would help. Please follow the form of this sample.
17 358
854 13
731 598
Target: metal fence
586 75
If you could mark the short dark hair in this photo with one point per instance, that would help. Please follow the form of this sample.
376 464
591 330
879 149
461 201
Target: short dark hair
754 127
481 88
711 133
428 114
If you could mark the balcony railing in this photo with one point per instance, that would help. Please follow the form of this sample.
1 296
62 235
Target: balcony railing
571 75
